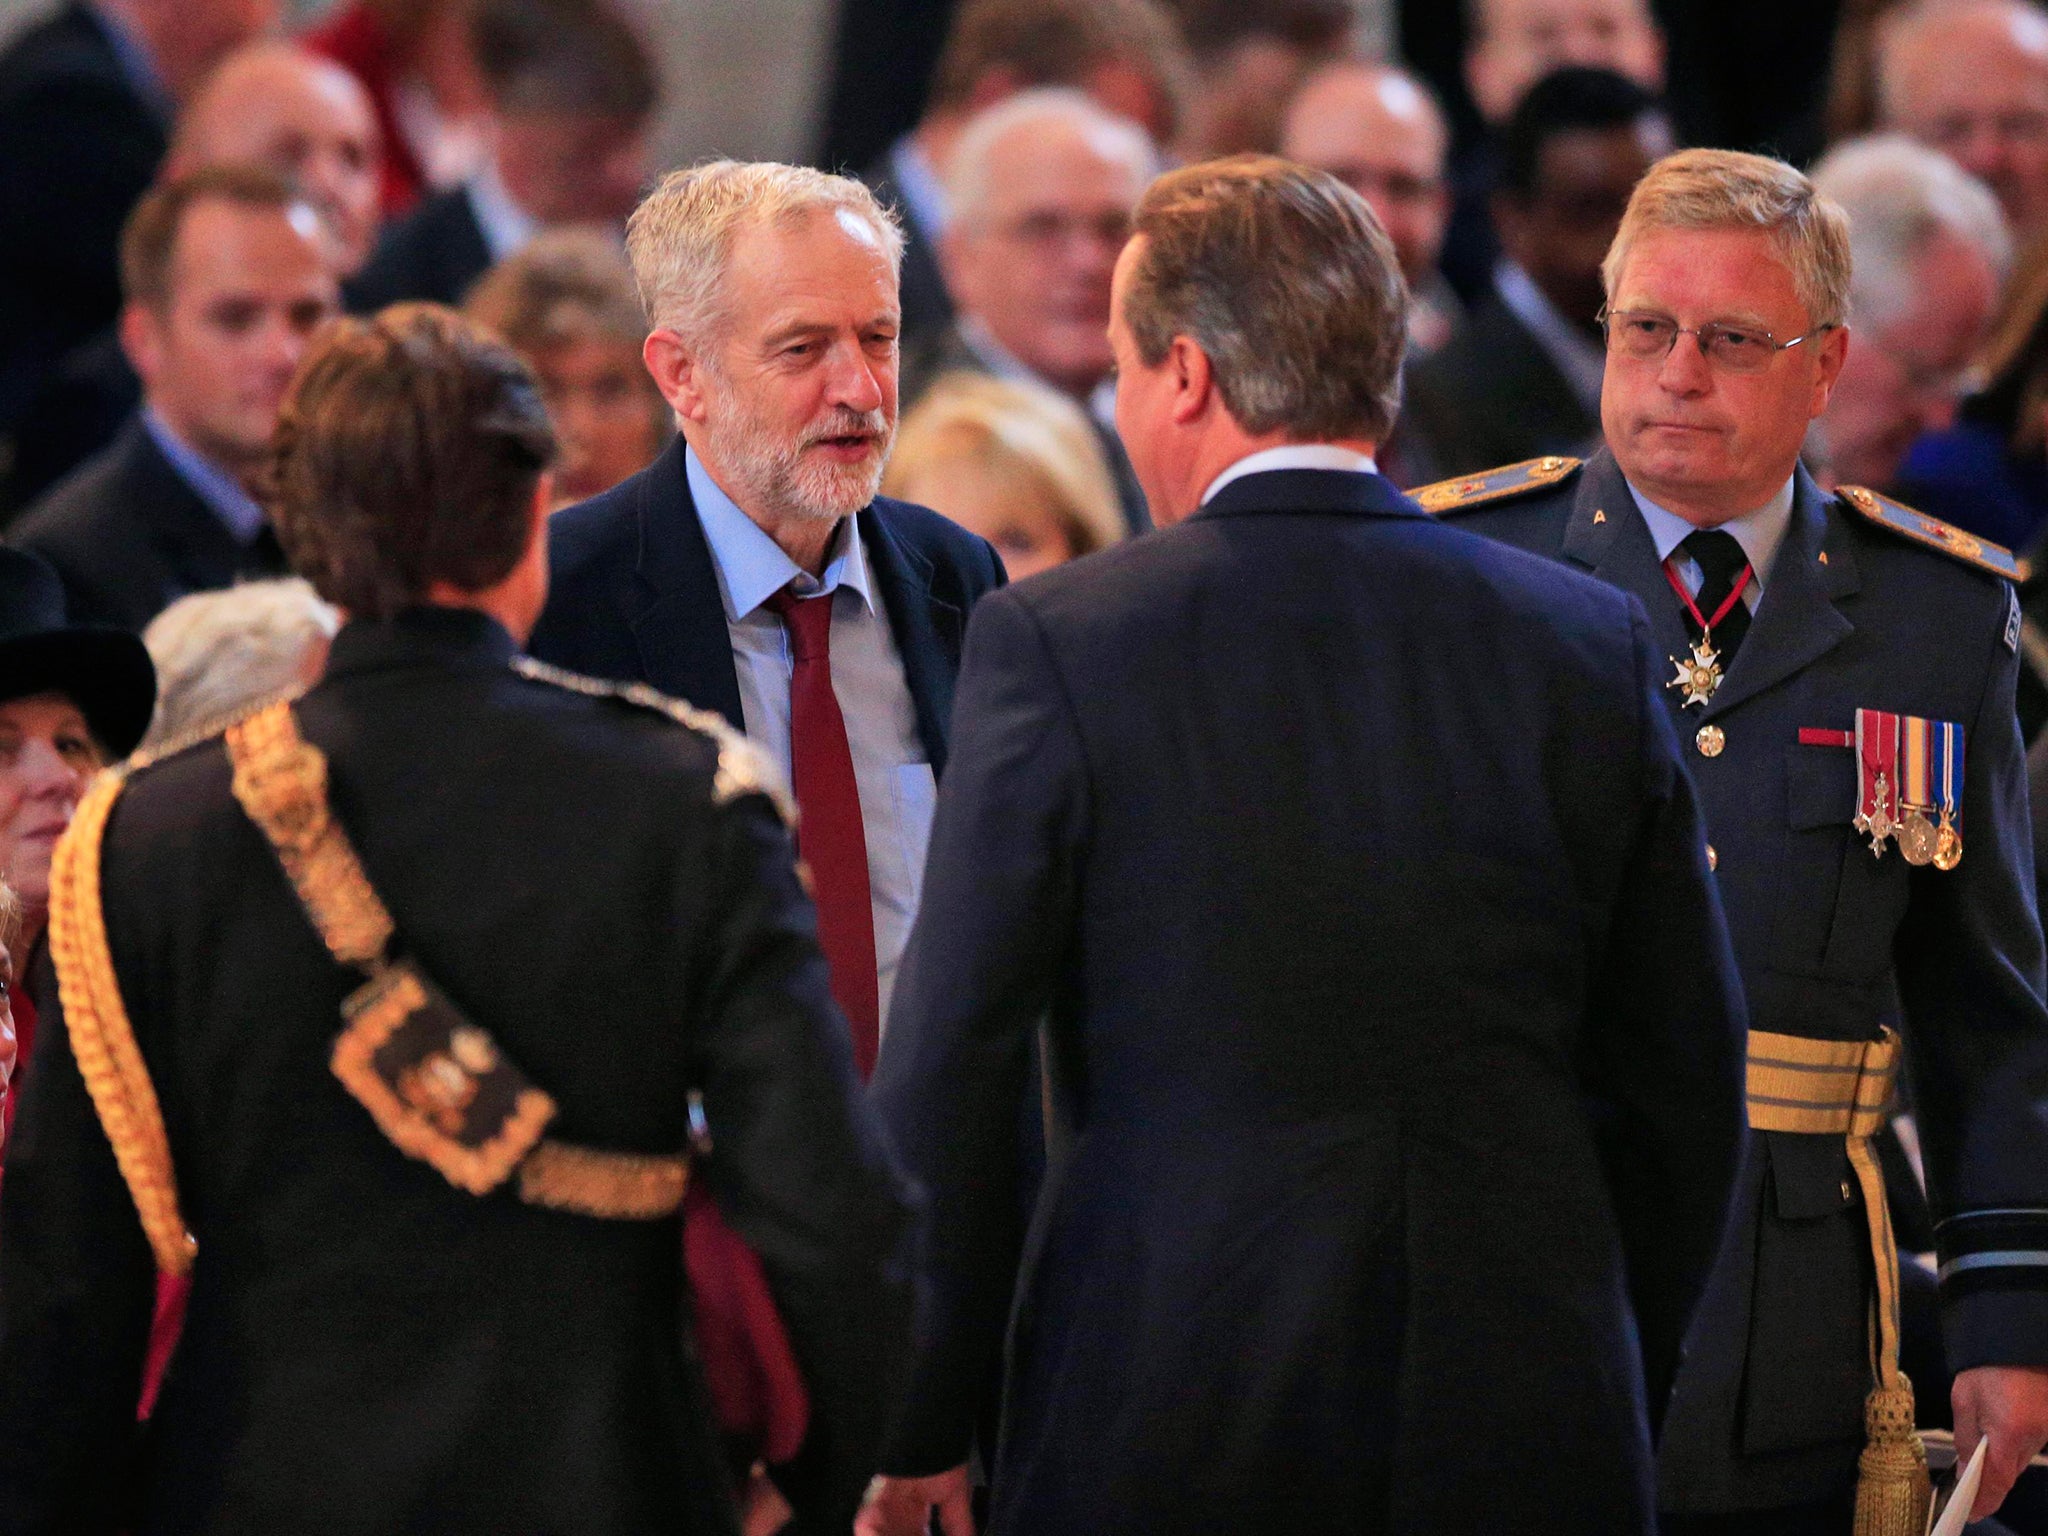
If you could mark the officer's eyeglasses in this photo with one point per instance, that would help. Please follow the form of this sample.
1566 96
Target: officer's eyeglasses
1648 337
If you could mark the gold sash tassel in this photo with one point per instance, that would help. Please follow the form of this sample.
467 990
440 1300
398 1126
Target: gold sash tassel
1842 1088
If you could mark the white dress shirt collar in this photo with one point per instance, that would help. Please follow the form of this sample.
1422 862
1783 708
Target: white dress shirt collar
1759 532
1293 456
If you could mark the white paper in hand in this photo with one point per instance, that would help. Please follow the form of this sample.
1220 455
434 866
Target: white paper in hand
1956 1513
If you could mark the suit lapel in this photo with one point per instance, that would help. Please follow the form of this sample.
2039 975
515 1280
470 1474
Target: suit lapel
1797 621
674 611
928 630
1606 535
195 544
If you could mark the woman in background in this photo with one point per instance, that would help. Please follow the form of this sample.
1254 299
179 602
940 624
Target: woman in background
566 304
1012 461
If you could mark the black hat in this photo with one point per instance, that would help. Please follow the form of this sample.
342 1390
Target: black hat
105 672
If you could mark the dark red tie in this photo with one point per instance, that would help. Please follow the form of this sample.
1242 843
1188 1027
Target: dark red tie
830 836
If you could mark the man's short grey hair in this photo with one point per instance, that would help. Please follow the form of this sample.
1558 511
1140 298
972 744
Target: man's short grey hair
1709 189
218 653
970 180
681 235
1899 195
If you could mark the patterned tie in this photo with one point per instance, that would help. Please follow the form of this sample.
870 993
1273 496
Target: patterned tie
1721 561
830 835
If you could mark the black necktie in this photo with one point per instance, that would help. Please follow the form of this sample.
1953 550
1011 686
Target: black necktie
1721 561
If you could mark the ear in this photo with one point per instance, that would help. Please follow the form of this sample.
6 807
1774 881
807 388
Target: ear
677 372
141 334
1832 352
1194 381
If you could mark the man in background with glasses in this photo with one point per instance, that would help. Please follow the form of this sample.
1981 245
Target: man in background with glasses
1842 676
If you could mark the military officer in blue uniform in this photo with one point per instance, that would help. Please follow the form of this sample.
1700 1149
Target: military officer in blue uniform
1843 672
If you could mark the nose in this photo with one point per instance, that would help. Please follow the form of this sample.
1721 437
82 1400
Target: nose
45 773
856 380
1685 370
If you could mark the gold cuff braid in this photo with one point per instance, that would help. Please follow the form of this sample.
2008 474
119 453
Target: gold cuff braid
102 1038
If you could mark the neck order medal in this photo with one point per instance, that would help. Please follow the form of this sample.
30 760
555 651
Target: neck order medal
1699 674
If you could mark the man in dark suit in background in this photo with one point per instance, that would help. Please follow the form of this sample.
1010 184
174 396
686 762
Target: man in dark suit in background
1521 376
406 1312
751 569
86 99
1127 54
570 90
1865 689
1359 875
226 280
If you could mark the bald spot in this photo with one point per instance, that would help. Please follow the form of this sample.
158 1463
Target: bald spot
1938 57
262 93
1350 114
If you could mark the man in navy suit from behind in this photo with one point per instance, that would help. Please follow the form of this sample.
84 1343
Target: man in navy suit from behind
1392 1016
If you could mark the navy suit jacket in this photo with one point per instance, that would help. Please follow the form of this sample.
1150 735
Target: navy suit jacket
434 254
1834 943
633 595
1355 865
130 536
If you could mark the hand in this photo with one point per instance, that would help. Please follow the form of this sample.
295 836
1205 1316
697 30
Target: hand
903 1506
763 1510
2008 1405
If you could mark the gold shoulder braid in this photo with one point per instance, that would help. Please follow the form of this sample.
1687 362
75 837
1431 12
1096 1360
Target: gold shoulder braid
1843 1088
102 1038
435 1082
743 768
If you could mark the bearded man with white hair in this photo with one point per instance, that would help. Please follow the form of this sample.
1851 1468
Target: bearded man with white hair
752 570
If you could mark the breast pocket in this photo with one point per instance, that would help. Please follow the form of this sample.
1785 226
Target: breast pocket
917 793
1839 904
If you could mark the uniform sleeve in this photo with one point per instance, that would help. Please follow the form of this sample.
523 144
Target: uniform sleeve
797 1164
993 932
1970 969
1666 1048
77 1283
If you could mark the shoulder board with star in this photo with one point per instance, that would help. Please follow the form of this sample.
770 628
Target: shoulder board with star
743 768
1932 532
1491 486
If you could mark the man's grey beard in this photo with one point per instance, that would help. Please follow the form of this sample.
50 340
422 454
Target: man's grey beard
783 481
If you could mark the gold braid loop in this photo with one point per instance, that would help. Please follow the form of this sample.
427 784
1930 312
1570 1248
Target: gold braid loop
102 1038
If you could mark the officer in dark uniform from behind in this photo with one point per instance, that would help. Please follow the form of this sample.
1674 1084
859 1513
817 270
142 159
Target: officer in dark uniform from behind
437 1278
1843 671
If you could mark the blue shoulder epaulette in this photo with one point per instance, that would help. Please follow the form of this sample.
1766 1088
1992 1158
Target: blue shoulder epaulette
743 768
1932 531
1494 485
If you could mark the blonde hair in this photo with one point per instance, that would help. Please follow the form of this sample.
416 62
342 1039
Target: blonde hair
1026 433
1701 189
216 653
679 237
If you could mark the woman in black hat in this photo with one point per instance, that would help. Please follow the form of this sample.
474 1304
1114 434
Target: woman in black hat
71 699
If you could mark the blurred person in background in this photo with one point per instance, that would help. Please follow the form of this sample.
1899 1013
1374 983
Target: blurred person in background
1970 78
571 90
1521 377
1042 188
1126 54
72 699
86 102
1013 461
271 104
414 59
567 306
218 653
226 280
10 934
1931 255
1509 46
1250 56
1379 130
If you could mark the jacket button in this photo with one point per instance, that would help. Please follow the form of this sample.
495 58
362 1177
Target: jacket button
1713 858
1710 741
1847 1193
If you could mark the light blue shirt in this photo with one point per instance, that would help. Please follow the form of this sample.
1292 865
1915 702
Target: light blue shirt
132 54
1759 533
922 189
221 491
890 766
506 227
